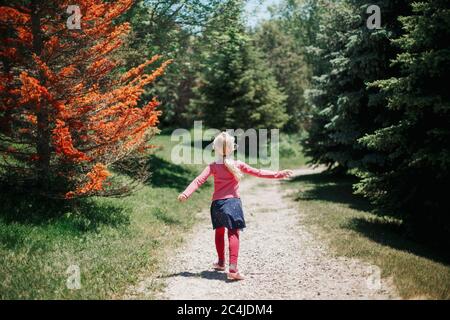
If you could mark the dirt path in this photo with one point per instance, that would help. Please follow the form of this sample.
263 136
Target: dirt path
278 256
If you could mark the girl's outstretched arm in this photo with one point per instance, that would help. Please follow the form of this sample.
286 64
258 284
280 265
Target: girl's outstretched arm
195 184
245 168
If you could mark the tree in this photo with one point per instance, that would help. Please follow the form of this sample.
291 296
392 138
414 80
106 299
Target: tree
66 115
348 109
169 28
289 67
236 88
330 79
414 177
301 19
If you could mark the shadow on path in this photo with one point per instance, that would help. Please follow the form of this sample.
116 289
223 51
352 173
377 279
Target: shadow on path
388 234
377 227
331 188
207 274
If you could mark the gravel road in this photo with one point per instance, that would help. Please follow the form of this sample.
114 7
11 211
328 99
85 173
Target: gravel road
279 256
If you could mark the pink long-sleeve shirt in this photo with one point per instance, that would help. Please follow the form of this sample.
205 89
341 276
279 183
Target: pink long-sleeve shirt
225 184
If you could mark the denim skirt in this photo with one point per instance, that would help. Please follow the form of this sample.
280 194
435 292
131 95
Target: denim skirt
227 213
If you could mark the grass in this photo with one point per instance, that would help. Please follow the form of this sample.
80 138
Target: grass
291 153
347 223
115 241
112 240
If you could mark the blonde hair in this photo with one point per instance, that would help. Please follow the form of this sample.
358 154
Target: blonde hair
224 145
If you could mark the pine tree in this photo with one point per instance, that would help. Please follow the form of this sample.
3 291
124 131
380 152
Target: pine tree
414 177
237 88
350 109
169 28
330 78
289 67
65 114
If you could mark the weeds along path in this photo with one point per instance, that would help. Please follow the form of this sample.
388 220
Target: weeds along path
280 258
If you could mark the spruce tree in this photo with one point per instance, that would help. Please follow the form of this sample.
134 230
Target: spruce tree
414 176
290 68
237 88
330 79
350 109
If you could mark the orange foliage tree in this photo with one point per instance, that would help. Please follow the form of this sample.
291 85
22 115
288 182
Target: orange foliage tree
67 113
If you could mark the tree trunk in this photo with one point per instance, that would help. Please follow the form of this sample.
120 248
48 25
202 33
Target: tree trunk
43 130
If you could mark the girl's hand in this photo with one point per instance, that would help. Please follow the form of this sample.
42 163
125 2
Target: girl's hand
182 197
286 173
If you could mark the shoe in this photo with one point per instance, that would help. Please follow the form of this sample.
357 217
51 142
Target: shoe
235 276
218 267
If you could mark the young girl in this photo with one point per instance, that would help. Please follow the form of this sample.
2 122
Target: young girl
226 207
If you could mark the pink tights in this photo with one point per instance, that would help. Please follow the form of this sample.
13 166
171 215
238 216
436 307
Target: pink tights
233 243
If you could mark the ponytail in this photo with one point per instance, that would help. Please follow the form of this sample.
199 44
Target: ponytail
229 164
232 167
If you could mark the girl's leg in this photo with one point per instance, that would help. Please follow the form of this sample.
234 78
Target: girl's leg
220 245
233 242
